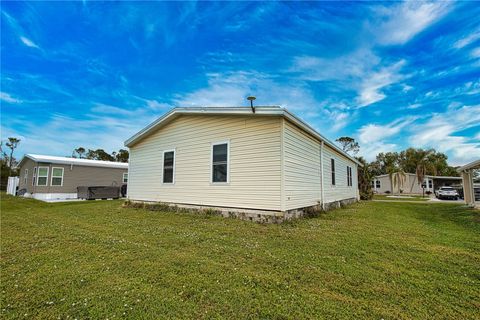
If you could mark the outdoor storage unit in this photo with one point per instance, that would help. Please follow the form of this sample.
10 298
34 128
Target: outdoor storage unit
100 192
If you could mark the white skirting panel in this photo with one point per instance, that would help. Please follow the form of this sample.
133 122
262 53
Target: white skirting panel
54 196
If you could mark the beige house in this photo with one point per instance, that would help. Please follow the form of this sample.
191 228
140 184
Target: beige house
49 177
265 160
470 192
382 184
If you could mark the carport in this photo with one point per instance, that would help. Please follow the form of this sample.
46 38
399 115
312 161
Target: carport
468 188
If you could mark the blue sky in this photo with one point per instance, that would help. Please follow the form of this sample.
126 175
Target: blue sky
391 75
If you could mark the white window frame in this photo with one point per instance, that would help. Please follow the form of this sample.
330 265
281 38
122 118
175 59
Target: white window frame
38 176
123 177
51 177
378 184
174 150
25 177
34 176
227 142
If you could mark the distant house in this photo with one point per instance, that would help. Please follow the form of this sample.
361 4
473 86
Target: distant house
265 161
383 184
48 177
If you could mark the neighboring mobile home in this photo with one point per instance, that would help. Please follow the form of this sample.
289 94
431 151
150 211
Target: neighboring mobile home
470 190
263 160
382 184
48 177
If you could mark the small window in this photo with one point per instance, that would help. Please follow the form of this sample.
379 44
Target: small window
125 177
378 184
430 184
332 162
220 158
349 176
373 183
57 177
34 175
25 177
169 166
42 179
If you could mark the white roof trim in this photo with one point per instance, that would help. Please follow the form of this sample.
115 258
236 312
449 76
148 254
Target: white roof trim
472 165
260 110
74 161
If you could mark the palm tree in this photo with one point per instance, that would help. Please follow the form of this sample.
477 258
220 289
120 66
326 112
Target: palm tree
422 164
365 176
12 144
399 179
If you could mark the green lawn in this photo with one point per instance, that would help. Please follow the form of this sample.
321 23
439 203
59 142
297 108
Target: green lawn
410 198
374 260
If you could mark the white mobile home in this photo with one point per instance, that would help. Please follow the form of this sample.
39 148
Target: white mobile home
262 160
383 184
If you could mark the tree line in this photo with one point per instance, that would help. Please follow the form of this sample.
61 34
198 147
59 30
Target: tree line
100 154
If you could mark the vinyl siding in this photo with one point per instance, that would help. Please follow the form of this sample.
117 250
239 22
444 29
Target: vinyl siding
340 190
302 171
73 177
254 167
411 185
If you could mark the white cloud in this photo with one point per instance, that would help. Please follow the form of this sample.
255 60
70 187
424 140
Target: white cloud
402 22
8 98
370 88
475 53
374 133
465 41
232 89
360 70
370 151
28 42
444 133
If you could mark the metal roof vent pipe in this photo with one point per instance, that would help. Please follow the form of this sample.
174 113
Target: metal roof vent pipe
251 103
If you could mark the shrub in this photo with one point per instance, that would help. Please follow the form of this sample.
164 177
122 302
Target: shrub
366 194
387 192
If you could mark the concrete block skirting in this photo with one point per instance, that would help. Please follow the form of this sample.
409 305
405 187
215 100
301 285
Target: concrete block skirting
261 216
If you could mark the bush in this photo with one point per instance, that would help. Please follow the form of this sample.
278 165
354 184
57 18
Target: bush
387 192
366 194
428 193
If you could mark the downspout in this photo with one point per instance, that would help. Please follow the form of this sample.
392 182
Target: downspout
321 175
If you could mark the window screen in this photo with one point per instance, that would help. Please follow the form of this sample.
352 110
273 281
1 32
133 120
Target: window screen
220 162
57 176
42 178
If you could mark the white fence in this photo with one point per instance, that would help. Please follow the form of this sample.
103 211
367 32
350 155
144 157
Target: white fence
12 185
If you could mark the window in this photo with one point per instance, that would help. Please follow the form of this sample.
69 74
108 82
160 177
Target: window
220 158
168 166
42 179
57 177
373 183
430 184
125 177
349 176
378 184
34 175
332 161
25 176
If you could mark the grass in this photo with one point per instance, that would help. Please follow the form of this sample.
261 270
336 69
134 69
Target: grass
372 260
410 198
